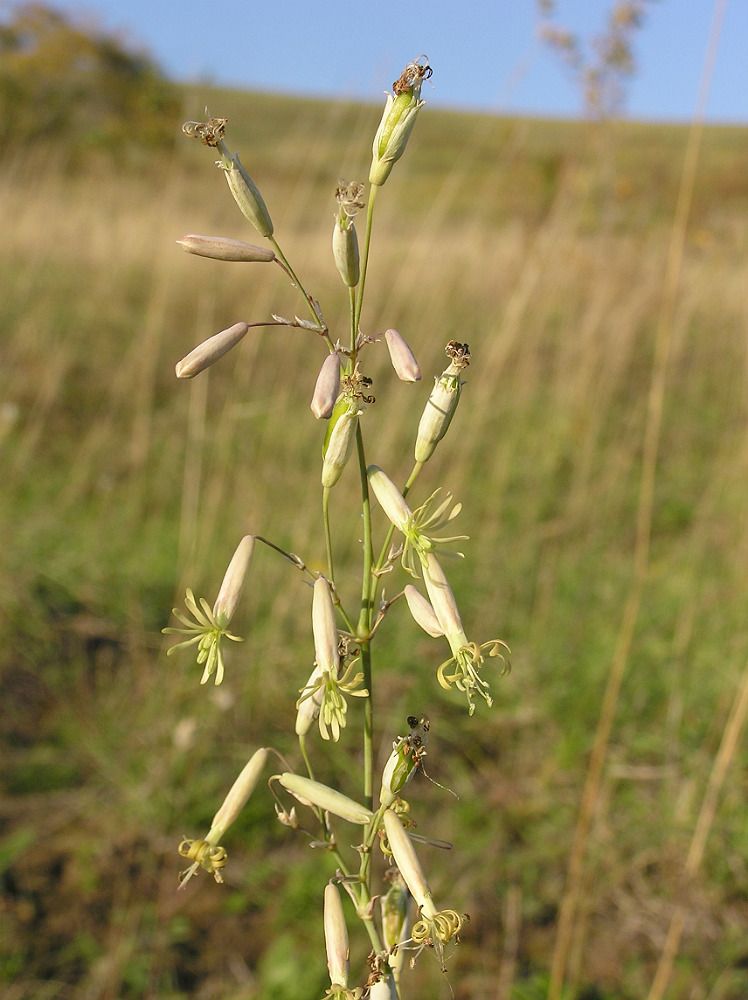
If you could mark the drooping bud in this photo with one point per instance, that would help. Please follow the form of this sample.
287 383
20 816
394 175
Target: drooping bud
238 795
336 937
245 193
402 358
389 497
422 612
327 387
222 248
233 581
329 799
442 402
339 439
207 353
398 120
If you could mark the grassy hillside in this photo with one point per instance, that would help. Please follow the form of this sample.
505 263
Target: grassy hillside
545 246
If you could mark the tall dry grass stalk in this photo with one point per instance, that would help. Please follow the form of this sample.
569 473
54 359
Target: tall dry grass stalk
568 924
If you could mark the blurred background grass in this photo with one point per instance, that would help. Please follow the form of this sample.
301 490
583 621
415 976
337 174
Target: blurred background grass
542 245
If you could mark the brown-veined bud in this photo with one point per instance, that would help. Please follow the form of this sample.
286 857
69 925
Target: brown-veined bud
345 253
329 799
442 402
326 388
339 439
398 120
222 248
402 358
246 195
207 353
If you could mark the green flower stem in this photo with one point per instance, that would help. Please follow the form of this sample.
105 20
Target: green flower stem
352 300
292 275
305 755
365 622
328 536
364 261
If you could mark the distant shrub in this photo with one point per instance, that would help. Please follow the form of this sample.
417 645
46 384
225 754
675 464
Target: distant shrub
70 85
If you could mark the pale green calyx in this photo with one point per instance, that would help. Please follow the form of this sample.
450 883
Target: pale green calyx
442 402
339 439
398 120
344 238
310 792
245 193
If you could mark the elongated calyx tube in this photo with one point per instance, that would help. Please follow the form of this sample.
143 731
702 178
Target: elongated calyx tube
336 936
339 439
308 791
407 861
389 497
442 403
233 581
222 248
238 795
245 193
207 353
397 121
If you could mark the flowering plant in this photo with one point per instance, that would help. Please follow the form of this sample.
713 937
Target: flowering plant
343 634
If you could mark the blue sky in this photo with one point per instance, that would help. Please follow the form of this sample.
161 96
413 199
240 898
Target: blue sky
485 53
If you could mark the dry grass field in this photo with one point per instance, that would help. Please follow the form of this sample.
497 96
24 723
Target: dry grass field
601 454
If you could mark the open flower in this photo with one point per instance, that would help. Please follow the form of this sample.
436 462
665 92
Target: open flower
206 631
322 696
461 670
434 927
418 526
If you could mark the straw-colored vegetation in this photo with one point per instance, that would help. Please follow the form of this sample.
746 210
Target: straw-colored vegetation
544 246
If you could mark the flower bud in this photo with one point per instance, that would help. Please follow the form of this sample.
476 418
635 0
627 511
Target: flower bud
222 248
407 861
442 402
422 612
397 122
233 581
207 353
402 358
345 252
246 195
308 791
326 388
398 773
390 498
238 795
341 433
336 937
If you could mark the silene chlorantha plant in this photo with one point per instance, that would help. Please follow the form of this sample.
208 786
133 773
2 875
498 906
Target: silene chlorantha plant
343 633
